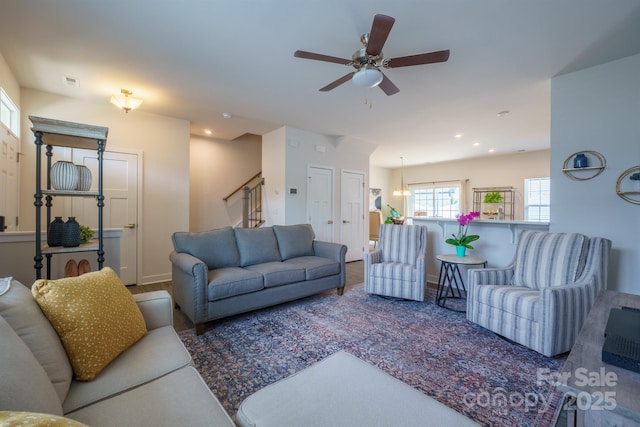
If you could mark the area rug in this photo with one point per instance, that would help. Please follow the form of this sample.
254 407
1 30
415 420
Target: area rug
468 368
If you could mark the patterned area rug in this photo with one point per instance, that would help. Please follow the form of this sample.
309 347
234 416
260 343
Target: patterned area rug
466 367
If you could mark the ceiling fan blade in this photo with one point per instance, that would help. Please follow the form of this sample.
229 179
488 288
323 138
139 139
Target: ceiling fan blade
337 83
379 32
421 59
387 86
319 57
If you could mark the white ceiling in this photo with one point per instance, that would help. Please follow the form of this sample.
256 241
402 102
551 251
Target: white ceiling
198 59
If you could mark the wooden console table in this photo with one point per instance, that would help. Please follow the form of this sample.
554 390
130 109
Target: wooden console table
600 394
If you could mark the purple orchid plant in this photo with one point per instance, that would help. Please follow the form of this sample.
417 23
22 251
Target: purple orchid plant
462 239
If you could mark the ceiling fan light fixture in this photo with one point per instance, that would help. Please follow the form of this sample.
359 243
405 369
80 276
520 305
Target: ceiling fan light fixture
367 76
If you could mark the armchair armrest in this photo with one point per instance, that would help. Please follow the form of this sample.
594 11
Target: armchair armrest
564 311
490 276
156 308
374 257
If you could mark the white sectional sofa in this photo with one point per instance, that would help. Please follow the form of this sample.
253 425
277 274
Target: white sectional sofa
150 384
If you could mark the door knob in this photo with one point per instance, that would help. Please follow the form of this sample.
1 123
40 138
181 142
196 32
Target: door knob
330 221
129 226
344 221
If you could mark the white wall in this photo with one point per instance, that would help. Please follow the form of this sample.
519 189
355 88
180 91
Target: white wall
509 170
218 167
164 142
290 151
274 173
598 109
8 81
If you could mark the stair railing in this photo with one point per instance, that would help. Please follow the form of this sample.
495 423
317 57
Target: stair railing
252 205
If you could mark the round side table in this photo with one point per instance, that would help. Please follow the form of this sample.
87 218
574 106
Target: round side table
450 279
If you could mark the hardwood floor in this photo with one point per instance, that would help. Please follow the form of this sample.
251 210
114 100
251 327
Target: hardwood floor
354 276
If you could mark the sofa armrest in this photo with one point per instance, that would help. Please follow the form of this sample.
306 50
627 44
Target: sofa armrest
156 308
189 276
334 251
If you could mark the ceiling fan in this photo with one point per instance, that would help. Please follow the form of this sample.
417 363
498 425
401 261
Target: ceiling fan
368 60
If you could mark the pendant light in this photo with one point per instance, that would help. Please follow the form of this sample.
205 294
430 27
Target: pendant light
402 191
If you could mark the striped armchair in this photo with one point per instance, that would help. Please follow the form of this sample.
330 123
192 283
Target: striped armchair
543 297
398 267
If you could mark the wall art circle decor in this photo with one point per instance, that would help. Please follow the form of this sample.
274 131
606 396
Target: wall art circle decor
64 175
84 178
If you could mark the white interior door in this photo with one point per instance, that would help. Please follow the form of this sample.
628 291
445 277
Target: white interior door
120 189
8 178
352 212
320 201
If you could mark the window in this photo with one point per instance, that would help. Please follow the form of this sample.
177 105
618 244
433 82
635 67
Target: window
537 198
437 200
9 114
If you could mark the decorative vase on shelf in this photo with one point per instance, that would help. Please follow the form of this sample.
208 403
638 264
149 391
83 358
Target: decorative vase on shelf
580 161
84 178
461 251
64 175
71 234
55 232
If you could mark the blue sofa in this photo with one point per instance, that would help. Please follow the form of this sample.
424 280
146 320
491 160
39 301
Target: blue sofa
227 271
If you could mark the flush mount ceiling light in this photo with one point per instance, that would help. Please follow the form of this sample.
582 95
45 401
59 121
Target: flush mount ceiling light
402 191
125 101
367 76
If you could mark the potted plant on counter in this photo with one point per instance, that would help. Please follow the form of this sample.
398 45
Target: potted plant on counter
461 240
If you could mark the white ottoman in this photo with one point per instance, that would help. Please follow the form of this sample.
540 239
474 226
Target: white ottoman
343 390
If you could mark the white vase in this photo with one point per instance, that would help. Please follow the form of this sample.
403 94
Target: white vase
84 178
64 175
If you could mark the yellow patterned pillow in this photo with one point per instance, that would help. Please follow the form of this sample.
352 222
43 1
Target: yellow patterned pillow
95 316
33 419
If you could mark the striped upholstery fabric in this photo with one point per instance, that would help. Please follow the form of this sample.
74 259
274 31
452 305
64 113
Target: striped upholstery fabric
548 317
400 244
549 259
398 266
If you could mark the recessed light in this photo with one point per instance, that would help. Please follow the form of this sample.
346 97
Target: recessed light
503 113
226 115
492 150
208 131
475 144
458 135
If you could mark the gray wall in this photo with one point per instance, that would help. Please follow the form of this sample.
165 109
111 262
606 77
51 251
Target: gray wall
598 109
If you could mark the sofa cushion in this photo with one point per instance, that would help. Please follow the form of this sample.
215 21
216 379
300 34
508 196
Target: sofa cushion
549 259
156 354
278 273
216 248
180 398
232 281
294 240
22 312
394 271
24 385
36 419
517 300
257 245
95 316
316 267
